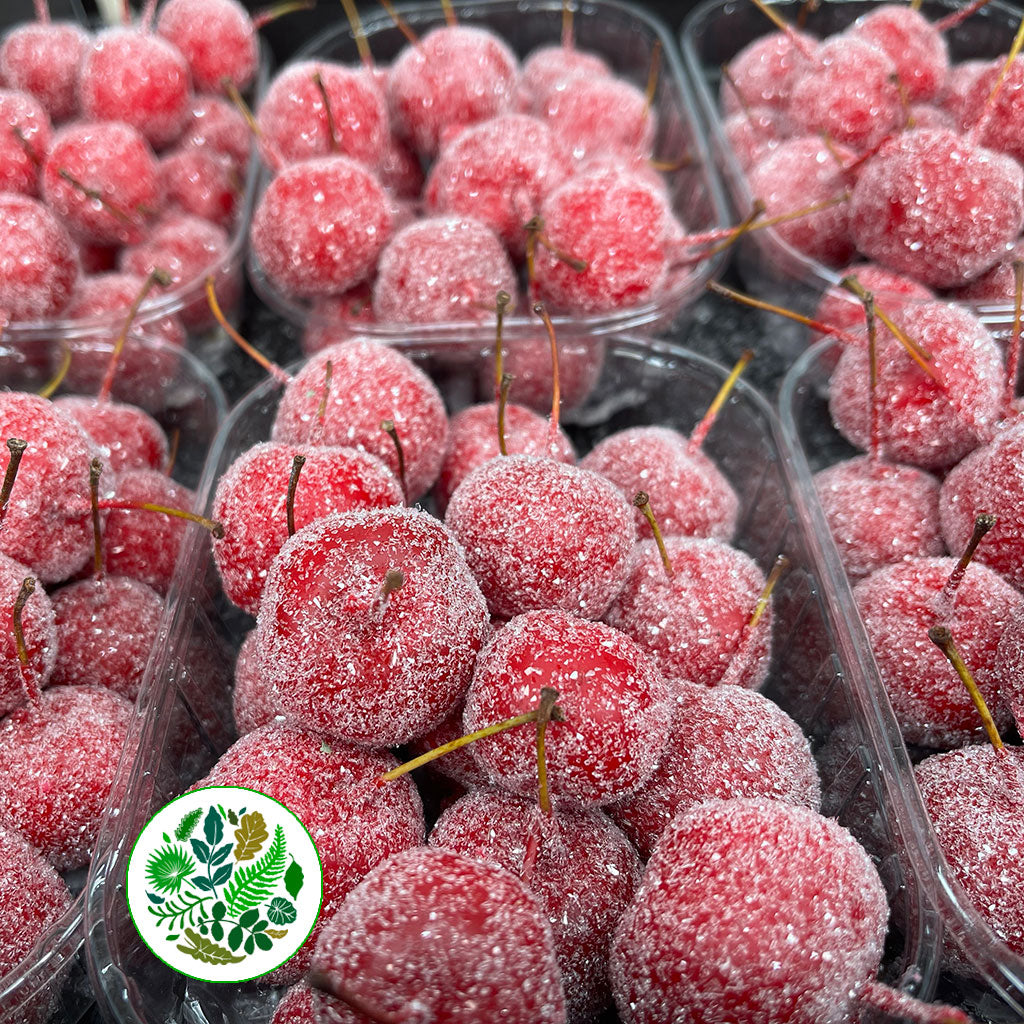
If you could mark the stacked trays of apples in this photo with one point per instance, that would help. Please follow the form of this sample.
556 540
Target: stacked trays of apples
450 166
895 144
121 154
430 624
87 631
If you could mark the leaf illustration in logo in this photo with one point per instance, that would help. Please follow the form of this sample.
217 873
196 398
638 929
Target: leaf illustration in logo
281 911
251 834
213 827
201 850
277 933
221 855
222 874
293 879
254 883
167 868
187 825
232 817
207 951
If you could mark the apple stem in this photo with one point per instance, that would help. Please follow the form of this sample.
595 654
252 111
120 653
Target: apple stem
506 384
958 17
95 471
42 11
780 565
535 235
178 513
156 277
26 146
317 431
783 26
942 637
318 81
358 32
62 371
727 77
700 432
293 481
96 196
264 17
400 23
806 8
947 596
275 371
1013 356
746 225
568 41
502 300
146 18
896 1004
269 153
174 442
989 109
323 982
668 166
556 386
742 654
547 704
643 502
652 75
462 741
16 446
28 586
394 580
449 13
389 428
874 400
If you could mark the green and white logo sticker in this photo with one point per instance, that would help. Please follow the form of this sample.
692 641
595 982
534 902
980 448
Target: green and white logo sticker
224 884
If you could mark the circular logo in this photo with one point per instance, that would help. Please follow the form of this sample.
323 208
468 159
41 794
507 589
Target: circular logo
224 884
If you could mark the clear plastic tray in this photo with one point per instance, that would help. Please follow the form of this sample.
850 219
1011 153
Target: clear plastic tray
996 991
624 35
642 382
717 30
182 395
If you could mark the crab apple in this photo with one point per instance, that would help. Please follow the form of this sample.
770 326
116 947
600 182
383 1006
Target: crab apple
1009 667
997 125
726 742
434 935
318 109
616 224
541 534
802 171
38 260
44 59
296 1006
200 182
336 318
914 206
753 135
320 226
330 787
125 436
214 123
548 66
996 285
441 269
954 96
253 701
38 529
134 76
250 504
499 172
927 419
692 498
39 634
851 94
23 142
101 179
473 440
57 763
216 37
370 625
617 709
764 72
454 77
879 513
894 293
695 623
580 867
368 383
898 604
457 766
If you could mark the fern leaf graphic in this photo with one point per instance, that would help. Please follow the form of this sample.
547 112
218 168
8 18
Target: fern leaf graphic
254 883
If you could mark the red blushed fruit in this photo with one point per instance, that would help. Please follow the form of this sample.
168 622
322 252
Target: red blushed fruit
38 529
216 124
1000 124
296 1006
320 226
39 633
580 867
549 65
337 318
202 183
216 37
617 708
23 143
786 898
695 624
369 383
106 631
57 763
766 71
43 59
726 742
251 499
433 935
752 136
329 786
253 701
899 604
541 534
127 437
356 652
1010 666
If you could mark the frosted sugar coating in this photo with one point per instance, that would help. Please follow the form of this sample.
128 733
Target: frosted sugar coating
752 136
618 709
695 624
879 513
335 318
765 72
97 295
957 88
369 383
184 246
329 786
1010 666
689 494
997 126
751 910
457 765
842 309
936 206
296 1006
473 440
251 505
38 530
441 269
57 764
217 39
541 534
726 742
580 867
346 661
432 933
898 606
399 169
43 59
996 285
40 636
18 171
106 631
546 67
125 436
214 123
253 701
200 182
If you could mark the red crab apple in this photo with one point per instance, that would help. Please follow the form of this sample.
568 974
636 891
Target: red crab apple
201 183
126 436
296 1006
216 124
253 701
18 682
1010 666
43 58
23 143
546 66
763 73
839 308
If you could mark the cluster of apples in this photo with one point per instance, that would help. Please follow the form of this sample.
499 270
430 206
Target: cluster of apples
119 154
